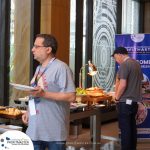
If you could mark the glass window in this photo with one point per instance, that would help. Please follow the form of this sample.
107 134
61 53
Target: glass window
84 33
72 34
130 16
104 29
19 45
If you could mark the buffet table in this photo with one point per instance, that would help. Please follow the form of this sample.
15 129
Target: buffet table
10 114
94 115
95 124
81 113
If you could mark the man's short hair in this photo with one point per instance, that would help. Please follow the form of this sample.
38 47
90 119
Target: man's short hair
120 50
49 41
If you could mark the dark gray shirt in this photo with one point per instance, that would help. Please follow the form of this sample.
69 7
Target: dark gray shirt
130 70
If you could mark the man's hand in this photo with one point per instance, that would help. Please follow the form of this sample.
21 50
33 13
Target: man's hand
25 118
141 114
38 92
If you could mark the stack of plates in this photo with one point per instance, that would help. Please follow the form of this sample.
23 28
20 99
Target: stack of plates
99 105
77 105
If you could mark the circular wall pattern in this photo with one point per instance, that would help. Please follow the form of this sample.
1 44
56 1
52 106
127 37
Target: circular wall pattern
103 42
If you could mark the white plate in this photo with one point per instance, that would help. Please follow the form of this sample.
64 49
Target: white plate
25 99
73 107
99 105
22 87
77 105
81 105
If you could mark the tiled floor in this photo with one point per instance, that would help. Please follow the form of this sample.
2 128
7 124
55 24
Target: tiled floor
109 139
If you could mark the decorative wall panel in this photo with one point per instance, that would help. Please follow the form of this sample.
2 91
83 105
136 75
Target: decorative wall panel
104 28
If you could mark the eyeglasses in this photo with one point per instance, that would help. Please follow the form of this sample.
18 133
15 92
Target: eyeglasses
37 46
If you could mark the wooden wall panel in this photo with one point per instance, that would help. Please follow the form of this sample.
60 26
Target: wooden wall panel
55 19
147 17
46 16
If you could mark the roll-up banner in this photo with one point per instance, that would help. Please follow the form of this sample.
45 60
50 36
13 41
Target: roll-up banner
138 46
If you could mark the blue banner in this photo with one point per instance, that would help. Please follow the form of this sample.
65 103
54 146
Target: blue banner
138 46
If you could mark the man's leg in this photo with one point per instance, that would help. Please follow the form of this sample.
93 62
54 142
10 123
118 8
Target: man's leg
124 119
39 145
57 145
134 127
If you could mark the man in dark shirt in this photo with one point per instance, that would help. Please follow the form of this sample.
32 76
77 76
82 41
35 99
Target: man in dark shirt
127 96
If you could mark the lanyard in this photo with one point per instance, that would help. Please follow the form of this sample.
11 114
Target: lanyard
38 76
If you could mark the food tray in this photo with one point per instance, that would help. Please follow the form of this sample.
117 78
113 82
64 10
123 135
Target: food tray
90 100
7 116
2 107
103 97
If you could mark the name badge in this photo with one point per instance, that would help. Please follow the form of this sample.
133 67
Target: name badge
128 101
32 109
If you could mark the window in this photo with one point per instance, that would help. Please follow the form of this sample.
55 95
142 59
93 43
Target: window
130 16
93 28
19 45
72 35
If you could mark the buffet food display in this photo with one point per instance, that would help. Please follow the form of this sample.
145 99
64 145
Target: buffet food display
94 92
12 113
92 96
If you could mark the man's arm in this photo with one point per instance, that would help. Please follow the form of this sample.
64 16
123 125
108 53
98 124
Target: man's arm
120 88
116 84
58 96
25 117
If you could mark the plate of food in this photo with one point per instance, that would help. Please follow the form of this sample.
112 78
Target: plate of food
22 87
2 107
